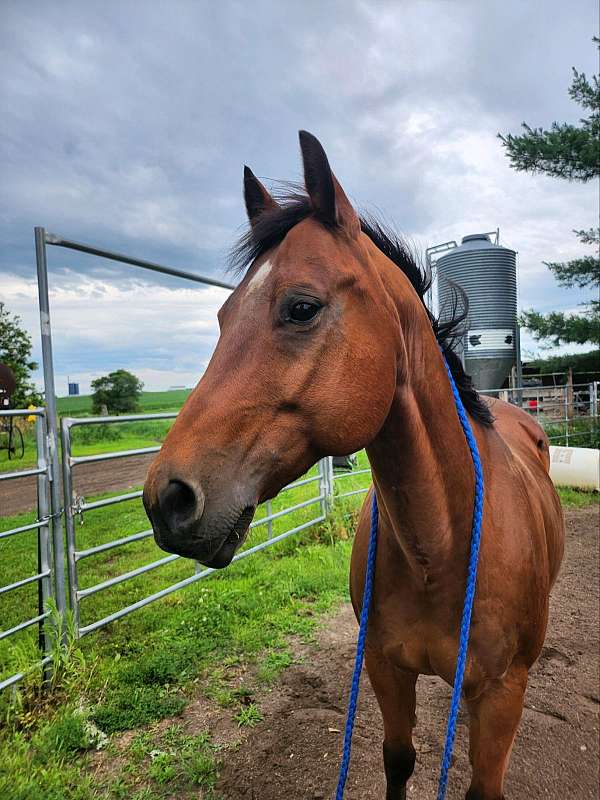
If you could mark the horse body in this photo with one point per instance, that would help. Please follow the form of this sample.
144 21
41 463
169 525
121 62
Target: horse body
326 348
423 477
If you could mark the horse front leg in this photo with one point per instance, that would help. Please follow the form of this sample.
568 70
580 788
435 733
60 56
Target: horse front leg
494 719
395 692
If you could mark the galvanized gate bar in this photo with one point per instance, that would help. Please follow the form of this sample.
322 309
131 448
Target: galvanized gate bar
31 527
101 548
126 576
24 581
18 676
22 625
59 241
141 451
25 473
45 572
109 501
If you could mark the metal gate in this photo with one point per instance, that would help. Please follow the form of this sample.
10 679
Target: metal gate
77 508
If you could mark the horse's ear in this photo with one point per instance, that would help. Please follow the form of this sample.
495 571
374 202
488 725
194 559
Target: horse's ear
256 197
327 197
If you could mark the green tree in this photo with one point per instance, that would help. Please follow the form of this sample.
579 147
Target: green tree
118 391
571 152
15 352
579 362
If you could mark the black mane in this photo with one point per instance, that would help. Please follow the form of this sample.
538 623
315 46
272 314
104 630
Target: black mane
273 225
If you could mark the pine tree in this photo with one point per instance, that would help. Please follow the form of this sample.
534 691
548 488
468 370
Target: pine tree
571 152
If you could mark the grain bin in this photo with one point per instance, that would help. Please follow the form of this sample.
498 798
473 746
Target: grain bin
487 273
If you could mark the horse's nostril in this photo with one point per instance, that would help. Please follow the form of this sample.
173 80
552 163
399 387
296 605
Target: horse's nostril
178 503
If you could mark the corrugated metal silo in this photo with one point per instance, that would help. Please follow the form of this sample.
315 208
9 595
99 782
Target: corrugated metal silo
487 273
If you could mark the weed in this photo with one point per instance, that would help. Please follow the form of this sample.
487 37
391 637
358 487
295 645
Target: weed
248 716
140 745
65 734
162 768
130 707
273 665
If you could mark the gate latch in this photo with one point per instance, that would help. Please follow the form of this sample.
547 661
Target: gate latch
78 505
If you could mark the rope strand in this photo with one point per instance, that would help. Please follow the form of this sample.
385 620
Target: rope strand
360 650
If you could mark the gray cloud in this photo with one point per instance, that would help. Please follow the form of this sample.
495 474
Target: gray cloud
127 125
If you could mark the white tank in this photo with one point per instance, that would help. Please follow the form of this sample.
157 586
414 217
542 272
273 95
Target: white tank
575 466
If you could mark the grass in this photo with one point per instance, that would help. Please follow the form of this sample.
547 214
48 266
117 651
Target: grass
248 716
582 433
577 498
150 402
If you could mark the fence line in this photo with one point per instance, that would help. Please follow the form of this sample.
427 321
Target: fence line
562 407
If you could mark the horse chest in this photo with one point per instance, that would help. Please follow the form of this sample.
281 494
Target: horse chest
407 635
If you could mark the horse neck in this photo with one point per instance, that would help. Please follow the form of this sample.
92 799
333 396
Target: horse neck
422 469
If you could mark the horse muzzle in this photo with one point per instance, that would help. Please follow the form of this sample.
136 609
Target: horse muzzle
186 522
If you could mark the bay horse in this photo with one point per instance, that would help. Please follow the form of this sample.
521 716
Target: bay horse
326 347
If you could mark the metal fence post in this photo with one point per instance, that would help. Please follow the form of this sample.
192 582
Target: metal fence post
65 435
50 401
566 405
331 479
324 503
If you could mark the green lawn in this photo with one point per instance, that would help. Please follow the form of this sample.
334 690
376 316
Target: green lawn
93 439
150 402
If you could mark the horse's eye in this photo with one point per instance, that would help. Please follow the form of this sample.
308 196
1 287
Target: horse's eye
303 311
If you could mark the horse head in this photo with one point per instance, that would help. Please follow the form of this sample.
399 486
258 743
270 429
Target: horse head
306 365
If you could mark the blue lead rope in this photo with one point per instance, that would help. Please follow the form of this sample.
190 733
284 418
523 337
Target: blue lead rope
465 624
360 650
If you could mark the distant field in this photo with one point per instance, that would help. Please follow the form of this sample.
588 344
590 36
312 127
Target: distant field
81 406
94 439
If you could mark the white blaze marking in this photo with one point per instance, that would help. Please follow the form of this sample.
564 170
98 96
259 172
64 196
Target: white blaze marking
260 276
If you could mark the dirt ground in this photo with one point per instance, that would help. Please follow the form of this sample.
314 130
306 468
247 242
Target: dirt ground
294 752
20 495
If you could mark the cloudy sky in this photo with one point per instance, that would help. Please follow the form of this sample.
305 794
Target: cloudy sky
127 124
